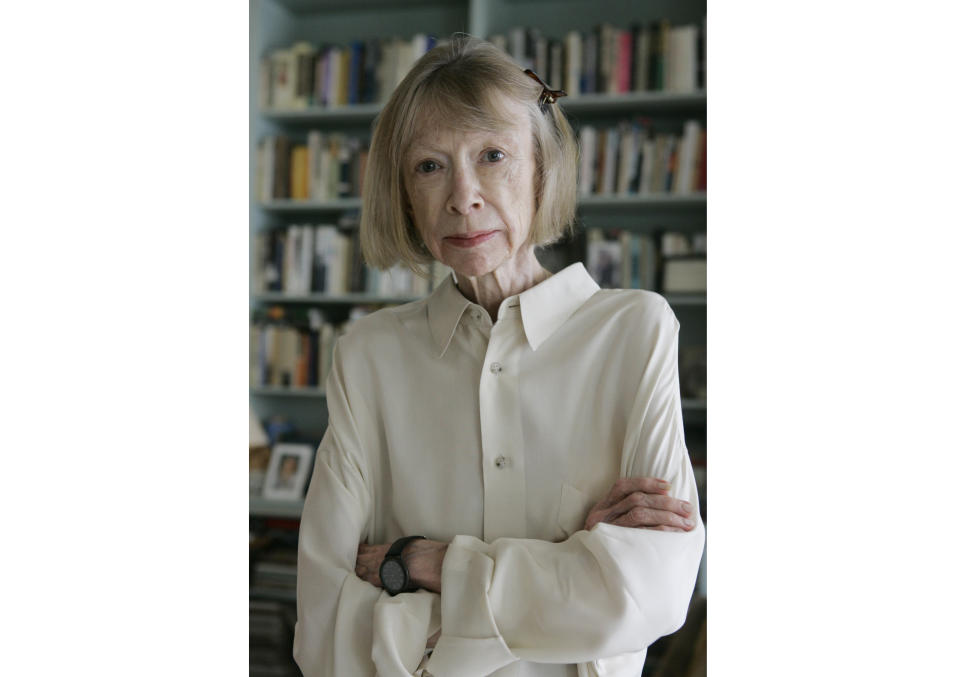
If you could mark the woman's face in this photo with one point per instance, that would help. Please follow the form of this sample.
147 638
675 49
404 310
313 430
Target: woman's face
472 193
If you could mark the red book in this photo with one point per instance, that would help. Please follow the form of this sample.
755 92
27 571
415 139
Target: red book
624 61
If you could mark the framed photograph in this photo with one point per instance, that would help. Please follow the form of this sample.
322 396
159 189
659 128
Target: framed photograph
287 472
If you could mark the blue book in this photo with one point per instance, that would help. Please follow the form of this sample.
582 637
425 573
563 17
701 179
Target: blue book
356 68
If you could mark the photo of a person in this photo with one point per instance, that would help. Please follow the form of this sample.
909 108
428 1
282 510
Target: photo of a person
288 472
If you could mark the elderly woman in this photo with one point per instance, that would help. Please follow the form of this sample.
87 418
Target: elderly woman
503 487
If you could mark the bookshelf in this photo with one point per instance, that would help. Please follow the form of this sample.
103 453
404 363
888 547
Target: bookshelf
281 23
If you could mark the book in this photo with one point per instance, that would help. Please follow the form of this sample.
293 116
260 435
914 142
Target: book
685 275
301 93
681 59
604 259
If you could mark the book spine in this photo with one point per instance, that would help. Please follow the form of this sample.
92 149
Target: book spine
624 61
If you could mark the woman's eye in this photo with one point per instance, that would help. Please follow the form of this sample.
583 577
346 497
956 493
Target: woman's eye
494 155
427 166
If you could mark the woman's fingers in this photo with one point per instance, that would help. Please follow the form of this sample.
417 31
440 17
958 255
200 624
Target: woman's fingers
656 501
651 517
649 510
625 486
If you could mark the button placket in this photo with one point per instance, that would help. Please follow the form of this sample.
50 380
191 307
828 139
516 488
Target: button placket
501 430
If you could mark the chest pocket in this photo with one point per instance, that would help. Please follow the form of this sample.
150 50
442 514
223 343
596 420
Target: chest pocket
574 506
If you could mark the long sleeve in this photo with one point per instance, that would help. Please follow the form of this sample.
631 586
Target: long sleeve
346 626
601 593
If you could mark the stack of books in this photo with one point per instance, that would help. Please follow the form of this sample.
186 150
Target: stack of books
326 167
305 76
644 57
633 158
303 259
621 259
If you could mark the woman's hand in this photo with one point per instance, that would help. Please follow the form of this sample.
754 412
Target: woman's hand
369 558
641 502
423 557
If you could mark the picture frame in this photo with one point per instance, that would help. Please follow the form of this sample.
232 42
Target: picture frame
287 473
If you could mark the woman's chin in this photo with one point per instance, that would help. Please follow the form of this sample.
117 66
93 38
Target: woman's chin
472 264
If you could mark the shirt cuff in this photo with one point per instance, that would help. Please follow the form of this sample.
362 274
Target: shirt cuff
470 643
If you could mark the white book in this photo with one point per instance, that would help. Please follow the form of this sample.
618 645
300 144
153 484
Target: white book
306 258
588 153
283 74
326 254
681 62
684 276
326 172
574 44
333 83
556 64
301 92
610 160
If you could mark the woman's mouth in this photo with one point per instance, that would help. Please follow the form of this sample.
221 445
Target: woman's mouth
471 240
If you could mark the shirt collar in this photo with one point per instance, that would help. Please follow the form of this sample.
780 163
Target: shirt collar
543 307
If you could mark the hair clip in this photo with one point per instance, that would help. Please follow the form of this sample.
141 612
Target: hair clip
547 95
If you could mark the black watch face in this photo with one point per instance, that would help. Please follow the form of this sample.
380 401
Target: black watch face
393 576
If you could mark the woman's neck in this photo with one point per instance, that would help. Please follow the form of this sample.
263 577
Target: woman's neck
513 277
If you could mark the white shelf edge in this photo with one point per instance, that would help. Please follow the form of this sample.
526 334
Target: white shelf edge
266 507
574 104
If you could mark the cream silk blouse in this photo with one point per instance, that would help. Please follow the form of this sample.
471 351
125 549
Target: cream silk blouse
498 437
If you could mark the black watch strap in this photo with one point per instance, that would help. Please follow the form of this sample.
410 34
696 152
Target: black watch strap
400 544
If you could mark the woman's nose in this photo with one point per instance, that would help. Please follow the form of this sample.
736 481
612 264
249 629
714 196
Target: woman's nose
465 192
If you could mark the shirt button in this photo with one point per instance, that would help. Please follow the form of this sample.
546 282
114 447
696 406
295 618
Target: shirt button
476 316
496 368
500 461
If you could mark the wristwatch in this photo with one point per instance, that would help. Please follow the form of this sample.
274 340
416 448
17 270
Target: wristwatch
393 572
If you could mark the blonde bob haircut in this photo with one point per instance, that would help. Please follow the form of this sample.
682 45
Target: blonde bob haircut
465 80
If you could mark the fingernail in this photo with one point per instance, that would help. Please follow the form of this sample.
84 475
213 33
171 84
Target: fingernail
664 485
688 523
686 506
